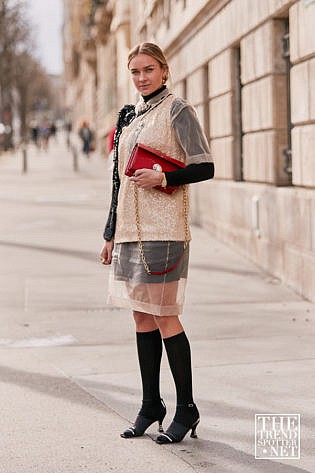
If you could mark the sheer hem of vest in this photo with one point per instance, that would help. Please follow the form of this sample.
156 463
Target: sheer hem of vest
199 158
132 288
189 132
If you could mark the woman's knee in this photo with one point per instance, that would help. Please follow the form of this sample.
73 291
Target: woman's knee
168 325
144 322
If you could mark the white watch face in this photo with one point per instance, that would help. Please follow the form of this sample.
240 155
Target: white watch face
157 167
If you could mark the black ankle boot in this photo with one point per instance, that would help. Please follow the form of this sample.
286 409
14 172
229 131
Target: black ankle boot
150 412
186 418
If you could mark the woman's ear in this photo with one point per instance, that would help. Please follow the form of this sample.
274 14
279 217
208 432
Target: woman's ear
165 74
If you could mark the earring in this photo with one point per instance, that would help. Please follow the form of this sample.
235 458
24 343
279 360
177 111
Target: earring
164 80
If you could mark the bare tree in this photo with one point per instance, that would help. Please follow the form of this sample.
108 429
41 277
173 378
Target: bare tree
21 75
33 88
14 37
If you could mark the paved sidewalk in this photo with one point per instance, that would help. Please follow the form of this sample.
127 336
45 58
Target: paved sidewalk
69 380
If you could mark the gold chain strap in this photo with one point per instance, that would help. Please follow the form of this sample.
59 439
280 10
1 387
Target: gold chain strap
138 224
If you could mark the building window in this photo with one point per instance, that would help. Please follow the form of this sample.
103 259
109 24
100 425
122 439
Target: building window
237 116
206 101
287 153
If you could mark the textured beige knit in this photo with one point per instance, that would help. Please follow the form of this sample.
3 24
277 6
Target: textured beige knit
161 215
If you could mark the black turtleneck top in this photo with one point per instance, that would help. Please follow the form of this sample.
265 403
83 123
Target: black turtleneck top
153 94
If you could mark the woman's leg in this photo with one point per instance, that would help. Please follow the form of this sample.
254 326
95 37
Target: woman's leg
149 346
168 325
179 357
144 322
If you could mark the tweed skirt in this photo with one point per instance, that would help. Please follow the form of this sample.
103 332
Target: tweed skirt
130 286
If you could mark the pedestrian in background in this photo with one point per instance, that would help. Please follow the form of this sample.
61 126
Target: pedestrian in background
34 131
86 136
68 129
44 135
149 270
53 130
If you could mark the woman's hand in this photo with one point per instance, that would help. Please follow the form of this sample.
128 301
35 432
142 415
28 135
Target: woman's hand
106 252
147 178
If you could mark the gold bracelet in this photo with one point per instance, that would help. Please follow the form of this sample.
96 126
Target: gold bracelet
164 181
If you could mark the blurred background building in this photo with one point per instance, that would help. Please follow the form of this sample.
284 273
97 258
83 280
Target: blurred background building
248 67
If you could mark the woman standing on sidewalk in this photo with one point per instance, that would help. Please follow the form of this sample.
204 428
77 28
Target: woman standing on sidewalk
151 233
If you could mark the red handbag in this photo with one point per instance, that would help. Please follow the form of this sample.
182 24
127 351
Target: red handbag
144 157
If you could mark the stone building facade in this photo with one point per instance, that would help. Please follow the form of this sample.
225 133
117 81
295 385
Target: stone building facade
248 67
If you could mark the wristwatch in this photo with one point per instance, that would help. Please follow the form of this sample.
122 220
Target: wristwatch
164 181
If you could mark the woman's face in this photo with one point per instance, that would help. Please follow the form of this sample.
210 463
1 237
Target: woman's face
147 73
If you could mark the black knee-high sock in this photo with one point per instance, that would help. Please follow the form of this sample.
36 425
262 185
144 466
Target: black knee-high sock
149 345
178 353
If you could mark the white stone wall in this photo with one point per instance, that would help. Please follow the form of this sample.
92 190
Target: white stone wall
284 241
303 93
264 98
220 86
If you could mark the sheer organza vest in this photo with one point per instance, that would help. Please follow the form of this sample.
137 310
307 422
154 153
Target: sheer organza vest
162 215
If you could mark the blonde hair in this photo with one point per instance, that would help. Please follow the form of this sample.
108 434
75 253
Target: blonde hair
152 50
